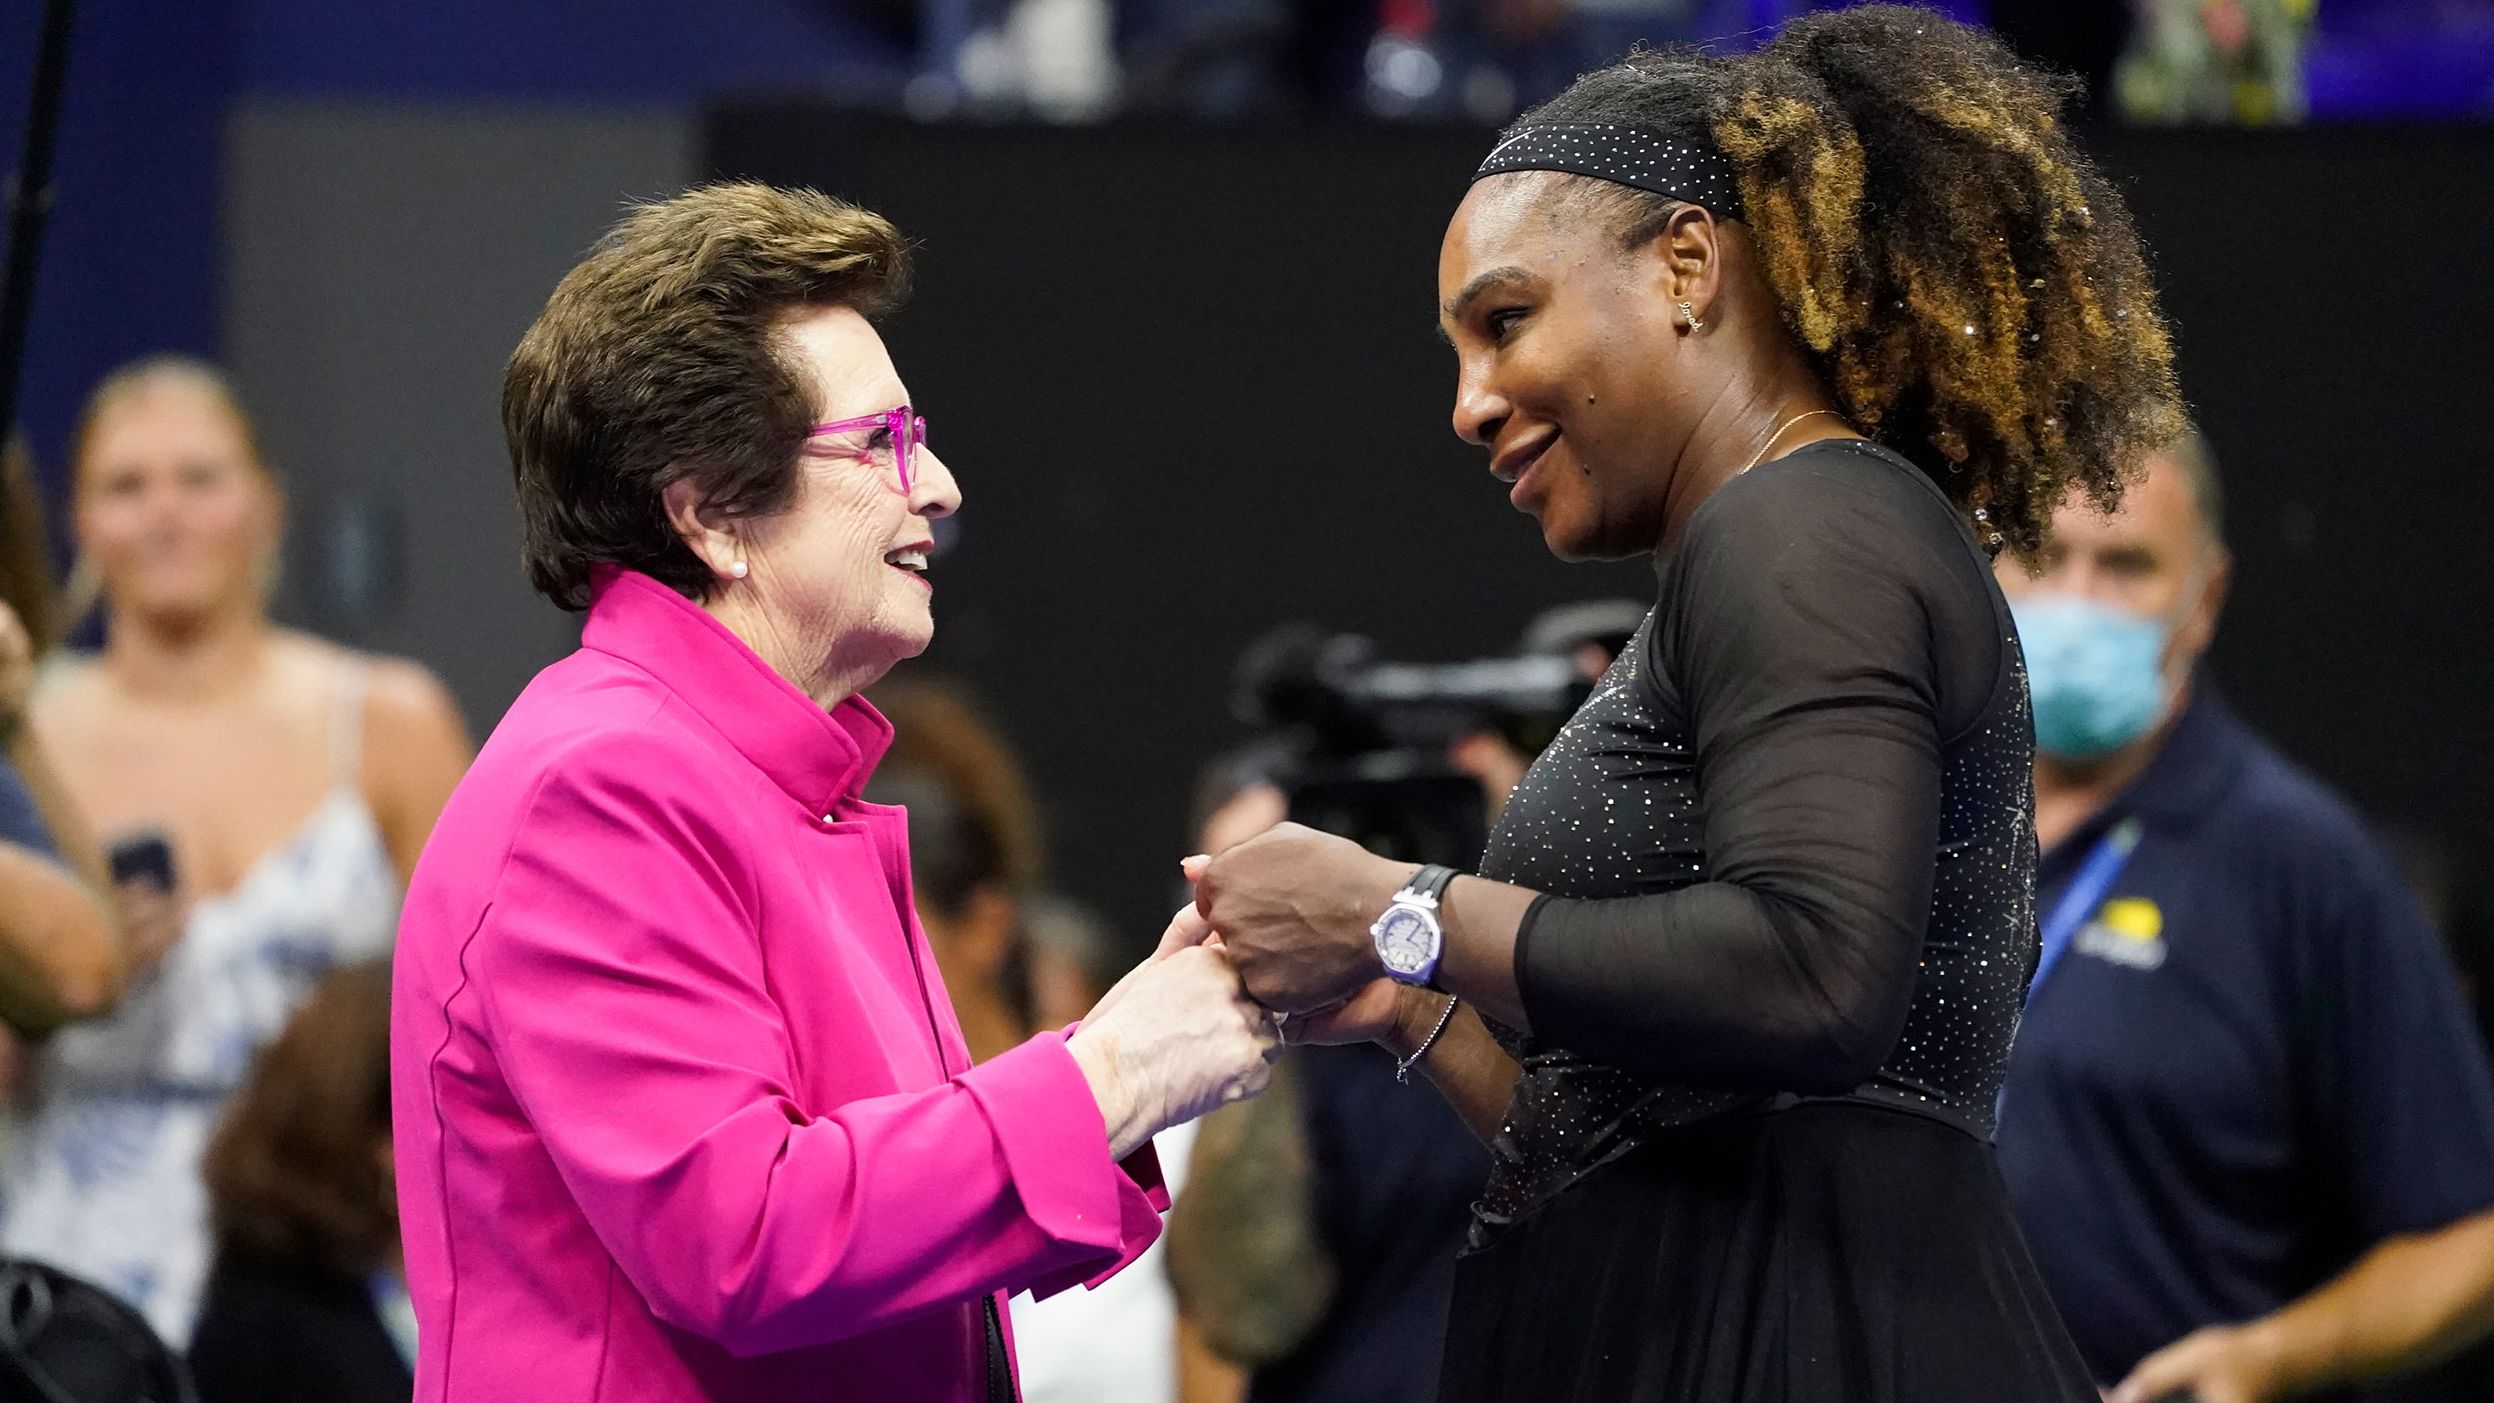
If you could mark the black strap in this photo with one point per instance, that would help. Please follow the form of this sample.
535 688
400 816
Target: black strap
1430 881
999 1367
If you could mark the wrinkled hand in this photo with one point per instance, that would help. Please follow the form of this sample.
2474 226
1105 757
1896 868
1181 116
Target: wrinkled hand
2221 1364
1176 1038
1187 928
1293 907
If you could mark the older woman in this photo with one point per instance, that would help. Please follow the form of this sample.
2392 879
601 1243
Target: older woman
682 1109
1818 327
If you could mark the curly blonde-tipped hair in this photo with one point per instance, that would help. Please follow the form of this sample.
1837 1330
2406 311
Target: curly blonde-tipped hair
1968 286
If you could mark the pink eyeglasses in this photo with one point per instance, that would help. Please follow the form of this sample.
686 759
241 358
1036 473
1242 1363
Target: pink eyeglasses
906 431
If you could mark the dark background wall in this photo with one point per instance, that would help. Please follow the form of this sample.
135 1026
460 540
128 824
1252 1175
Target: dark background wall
380 264
1188 380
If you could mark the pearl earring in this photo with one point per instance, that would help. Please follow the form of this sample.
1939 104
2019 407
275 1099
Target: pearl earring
1689 314
736 571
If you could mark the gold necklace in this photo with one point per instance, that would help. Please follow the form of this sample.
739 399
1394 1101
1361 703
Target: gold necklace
1779 433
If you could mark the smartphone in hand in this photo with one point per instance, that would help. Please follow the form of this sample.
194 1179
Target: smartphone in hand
144 858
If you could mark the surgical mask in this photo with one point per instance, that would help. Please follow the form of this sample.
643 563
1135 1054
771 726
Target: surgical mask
2093 671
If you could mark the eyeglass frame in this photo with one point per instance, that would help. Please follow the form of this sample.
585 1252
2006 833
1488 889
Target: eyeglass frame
909 434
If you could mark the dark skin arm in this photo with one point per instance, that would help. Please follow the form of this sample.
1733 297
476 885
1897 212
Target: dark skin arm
1294 907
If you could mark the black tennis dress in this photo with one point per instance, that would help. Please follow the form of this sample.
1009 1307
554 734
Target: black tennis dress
1789 856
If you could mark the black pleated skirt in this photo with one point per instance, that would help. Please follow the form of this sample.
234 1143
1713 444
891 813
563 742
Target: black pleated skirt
1831 1252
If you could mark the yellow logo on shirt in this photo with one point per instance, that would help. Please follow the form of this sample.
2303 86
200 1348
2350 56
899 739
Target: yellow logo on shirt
2132 918
2128 932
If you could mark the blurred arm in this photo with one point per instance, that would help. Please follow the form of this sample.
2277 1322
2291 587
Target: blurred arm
60 954
2410 1302
1203 1376
71 835
419 747
1252 1278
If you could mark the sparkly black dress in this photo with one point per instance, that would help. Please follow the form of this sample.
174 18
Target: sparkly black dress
1789 856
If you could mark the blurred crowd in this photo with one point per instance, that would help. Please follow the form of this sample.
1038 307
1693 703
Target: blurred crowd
2224 62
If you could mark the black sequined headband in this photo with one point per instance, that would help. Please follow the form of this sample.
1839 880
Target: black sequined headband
1668 163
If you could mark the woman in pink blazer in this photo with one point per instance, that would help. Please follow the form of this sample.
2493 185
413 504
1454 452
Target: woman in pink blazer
681 1108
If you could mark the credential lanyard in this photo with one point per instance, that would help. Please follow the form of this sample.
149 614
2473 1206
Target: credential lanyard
2085 893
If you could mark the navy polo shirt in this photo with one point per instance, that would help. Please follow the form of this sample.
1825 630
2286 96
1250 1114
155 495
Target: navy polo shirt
2251 1064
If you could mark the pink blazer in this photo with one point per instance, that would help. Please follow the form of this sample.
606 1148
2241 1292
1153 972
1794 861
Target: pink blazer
682 1111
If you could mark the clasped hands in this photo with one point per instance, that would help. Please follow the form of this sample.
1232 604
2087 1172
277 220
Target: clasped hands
1291 910
1275 942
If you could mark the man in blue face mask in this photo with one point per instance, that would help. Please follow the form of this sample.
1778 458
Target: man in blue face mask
2248 1126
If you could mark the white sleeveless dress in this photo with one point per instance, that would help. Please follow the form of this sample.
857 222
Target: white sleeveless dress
102 1179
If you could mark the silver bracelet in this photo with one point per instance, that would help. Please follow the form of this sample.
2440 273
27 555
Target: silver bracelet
1403 1066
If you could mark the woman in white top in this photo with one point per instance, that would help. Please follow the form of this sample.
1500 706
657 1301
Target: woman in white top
294 781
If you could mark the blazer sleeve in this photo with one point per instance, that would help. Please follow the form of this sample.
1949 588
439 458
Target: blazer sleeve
621 992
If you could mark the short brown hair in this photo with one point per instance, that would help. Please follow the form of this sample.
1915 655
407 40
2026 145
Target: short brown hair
292 1176
659 359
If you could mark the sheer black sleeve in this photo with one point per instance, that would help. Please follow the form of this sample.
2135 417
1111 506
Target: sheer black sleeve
1824 628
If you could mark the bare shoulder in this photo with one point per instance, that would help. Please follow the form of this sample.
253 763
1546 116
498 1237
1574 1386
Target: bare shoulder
404 691
65 677
396 690
69 689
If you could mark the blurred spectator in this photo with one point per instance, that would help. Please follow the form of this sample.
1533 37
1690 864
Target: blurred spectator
1051 58
1314 1252
1243 58
2456 912
974 850
1071 956
975 860
308 1299
2231 62
2248 1127
2217 61
286 782
1591 634
1116 1342
60 945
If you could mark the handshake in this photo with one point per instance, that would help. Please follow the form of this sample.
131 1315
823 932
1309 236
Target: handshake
1275 948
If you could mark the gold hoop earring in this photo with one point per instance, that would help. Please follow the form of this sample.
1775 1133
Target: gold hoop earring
1689 314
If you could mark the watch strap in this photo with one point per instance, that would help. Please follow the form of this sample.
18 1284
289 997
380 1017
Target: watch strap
1429 884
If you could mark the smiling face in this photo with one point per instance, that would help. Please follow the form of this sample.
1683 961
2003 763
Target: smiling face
172 507
1569 362
836 588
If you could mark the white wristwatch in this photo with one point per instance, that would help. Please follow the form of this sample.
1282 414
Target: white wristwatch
1409 936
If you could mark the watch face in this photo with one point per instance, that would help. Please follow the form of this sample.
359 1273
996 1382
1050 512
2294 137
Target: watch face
1407 940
